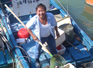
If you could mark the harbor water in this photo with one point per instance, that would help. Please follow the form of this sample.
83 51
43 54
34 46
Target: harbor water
81 12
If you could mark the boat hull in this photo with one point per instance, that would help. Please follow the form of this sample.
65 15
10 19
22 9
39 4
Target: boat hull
90 2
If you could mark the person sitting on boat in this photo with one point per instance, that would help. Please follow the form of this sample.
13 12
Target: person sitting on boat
43 25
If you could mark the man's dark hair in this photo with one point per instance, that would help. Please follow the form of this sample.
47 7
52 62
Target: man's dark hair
41 5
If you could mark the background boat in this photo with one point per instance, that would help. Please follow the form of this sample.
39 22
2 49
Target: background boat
90 2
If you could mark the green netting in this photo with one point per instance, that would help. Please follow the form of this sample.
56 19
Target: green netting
57 61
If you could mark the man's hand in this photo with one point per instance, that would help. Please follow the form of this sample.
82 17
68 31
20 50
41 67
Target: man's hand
58 35
34 37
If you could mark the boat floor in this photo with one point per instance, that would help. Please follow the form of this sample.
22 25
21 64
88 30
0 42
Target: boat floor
71 54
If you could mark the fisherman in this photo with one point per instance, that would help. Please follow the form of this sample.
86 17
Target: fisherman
43 25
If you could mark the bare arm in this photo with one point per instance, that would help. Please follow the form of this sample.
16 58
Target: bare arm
57 33
31 33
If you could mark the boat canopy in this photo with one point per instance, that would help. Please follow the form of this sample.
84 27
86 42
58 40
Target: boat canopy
25 7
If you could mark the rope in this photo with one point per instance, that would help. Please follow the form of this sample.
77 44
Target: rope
10 49
23 50
6 42
63 7
67 6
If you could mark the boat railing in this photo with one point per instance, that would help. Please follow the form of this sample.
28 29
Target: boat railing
11 39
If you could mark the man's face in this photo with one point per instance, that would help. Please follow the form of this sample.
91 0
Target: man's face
41 12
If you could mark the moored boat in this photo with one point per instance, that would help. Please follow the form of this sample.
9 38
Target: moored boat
90 2
78 45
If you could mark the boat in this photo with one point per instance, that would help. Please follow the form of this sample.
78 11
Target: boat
73 44
89 2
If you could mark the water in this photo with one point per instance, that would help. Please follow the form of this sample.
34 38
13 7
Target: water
81 13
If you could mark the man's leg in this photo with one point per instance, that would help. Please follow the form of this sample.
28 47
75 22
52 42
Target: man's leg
52 44
38 48
37 55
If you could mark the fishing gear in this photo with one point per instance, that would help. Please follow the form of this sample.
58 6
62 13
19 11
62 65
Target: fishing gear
6 42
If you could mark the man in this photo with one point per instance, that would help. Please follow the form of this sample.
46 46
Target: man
43 25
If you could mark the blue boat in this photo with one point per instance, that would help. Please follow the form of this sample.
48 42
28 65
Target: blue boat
78 46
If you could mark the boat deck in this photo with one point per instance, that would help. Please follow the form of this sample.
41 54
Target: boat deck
69 55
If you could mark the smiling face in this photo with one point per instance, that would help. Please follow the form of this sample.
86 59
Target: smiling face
41 11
